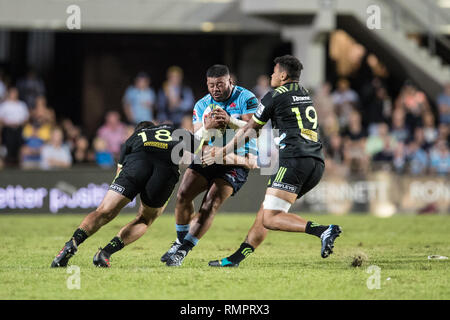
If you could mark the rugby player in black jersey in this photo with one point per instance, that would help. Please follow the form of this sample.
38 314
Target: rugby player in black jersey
301 167
146 168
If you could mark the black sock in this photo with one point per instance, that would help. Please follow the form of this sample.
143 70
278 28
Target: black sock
315 228
187 245
114 245
182 231
243 252
79 235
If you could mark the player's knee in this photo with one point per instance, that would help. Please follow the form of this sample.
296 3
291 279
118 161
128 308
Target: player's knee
148 216
268 220
183 196
144 219
210 206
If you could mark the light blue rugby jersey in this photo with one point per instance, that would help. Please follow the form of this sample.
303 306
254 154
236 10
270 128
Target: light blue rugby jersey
241 101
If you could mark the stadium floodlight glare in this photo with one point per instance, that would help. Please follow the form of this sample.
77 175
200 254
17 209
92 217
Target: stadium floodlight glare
208 26
445 29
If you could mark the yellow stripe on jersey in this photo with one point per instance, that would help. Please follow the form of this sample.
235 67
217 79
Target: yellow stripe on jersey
281 89
258 121
280 174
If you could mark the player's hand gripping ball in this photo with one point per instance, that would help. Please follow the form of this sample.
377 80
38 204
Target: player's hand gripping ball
209 112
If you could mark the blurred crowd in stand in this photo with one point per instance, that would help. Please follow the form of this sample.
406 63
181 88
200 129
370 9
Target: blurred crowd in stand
370 130
361 131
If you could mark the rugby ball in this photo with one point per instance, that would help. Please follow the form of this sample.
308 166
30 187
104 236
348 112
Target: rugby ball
207 111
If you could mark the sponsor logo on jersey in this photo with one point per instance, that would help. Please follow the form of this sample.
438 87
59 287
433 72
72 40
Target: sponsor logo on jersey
156 144
300 98
284 186
260 110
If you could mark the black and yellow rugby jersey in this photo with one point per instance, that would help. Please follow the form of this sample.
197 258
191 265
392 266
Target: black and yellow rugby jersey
292 112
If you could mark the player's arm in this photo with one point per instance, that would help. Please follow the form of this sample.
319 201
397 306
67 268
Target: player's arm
242 135
189 142
248 107
232 122
258 118
249 130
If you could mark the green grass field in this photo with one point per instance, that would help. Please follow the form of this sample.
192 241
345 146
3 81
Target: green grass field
286 266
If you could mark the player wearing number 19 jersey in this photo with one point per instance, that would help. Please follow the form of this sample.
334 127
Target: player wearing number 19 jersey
301 167
145 167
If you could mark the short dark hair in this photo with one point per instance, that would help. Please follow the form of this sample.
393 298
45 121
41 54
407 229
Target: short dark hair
291 65
143 124
217 70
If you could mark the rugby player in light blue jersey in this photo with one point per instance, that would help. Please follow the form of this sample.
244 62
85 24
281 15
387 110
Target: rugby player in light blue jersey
227 106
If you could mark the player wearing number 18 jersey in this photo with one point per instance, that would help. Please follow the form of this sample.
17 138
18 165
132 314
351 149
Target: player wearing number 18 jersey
145 167
301 167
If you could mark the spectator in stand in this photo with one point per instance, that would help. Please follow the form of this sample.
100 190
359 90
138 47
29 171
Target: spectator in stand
399 160
139 100
30 153
417 157
414 103
380 141
56 154
355 137
71 133
334 155
345 101
344 93
113 132
399 130
103 157
329 126
443 102
35 134
82 154
386 154
13 115
323 103
419 137
30 87
379 110
444 132
440 158
175 100
262 86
